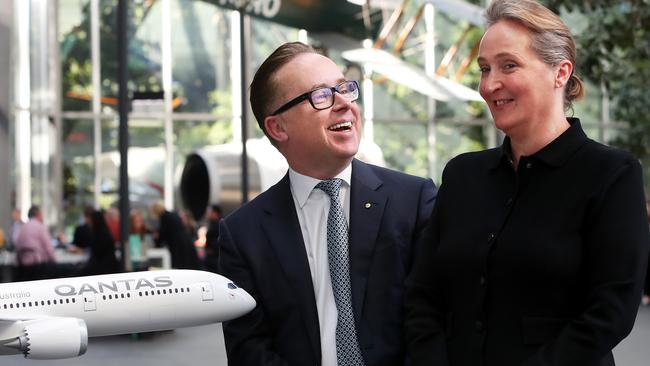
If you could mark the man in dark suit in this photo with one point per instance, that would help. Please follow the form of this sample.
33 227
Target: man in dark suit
212 238
326 267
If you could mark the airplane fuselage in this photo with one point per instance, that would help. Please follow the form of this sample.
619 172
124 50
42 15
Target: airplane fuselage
123 303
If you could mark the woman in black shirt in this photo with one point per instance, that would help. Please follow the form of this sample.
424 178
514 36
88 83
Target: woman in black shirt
536 251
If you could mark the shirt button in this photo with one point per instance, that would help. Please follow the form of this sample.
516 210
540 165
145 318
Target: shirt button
529 165
490 236
482 280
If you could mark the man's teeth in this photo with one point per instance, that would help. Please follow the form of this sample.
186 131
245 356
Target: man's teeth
501 101
340 126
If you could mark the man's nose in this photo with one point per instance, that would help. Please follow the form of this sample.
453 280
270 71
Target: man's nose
340 101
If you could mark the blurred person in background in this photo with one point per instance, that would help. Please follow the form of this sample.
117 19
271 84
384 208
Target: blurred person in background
139 240
212 238
172 234
138 225
102 258
34 248
536 251
16 224
3 239
189 224
83 235
113 222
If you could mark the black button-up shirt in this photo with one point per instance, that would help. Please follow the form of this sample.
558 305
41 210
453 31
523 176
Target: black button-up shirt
539 265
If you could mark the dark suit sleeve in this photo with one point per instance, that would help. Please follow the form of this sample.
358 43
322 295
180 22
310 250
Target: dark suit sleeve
615 238
248 340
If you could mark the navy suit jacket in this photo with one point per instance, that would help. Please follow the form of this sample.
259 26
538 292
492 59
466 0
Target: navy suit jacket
262 250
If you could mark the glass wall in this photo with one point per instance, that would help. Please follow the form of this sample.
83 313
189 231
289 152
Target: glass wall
183 69
186 41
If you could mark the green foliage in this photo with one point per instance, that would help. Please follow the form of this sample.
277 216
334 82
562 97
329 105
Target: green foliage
614 49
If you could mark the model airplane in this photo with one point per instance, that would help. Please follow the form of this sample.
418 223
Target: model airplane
52 319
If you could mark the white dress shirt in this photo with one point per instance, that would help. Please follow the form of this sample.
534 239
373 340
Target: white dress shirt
312 207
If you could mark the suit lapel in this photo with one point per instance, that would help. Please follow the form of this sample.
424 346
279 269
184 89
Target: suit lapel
367 206
283 230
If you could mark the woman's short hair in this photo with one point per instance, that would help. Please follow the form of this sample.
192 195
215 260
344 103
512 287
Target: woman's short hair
264 88
551 39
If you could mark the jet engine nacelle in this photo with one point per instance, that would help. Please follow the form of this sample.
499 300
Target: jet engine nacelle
213 174
55 338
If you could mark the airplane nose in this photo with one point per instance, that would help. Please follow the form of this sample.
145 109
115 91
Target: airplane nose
248 303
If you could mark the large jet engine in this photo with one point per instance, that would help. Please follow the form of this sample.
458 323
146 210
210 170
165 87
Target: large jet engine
47 339
213 174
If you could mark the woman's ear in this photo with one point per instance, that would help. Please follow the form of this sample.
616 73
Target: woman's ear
563 74
275 127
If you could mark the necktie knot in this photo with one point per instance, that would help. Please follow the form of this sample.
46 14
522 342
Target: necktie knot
331 187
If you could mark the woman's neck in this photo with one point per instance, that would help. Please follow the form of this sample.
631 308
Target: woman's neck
535 138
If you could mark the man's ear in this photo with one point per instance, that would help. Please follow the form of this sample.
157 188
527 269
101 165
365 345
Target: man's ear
275 127
564 71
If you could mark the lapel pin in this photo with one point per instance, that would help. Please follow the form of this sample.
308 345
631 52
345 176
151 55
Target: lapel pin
368 205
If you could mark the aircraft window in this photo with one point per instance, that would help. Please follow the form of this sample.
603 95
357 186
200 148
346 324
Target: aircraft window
60 301
30 304
42 302
128 295
48 302
182 290
74 300
232 286
122 295
164 291
146 293
140 293
176 290
24 305
188 289
11 306
67 301
158 292
5 306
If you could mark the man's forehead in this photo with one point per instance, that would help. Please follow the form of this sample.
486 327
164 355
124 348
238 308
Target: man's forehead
308 71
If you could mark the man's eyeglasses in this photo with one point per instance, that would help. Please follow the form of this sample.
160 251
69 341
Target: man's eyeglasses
323 98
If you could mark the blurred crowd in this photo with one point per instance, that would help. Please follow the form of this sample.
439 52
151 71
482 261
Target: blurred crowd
96 242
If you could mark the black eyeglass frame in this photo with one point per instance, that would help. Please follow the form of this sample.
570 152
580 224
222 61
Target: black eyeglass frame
307 96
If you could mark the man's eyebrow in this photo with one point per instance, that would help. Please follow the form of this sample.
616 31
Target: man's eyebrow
323 85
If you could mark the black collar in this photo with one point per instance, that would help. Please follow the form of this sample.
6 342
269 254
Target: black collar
556 153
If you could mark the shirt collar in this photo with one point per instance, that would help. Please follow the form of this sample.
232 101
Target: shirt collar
556 153
302 185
